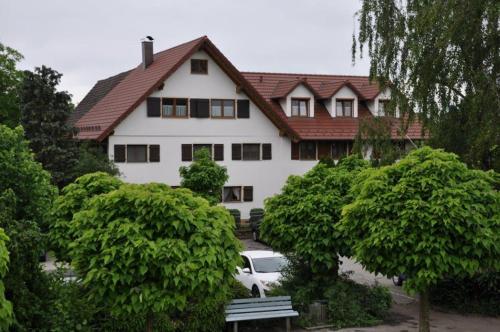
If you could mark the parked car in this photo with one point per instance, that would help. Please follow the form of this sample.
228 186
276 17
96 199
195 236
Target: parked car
261 270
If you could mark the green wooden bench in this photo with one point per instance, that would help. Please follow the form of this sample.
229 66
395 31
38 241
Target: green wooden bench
260 308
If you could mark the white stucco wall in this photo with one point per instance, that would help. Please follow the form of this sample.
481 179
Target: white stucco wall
299 92
344 93
266 176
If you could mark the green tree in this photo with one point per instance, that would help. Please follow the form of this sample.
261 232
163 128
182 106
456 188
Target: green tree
437 56
428 217
72 199
44 115
10 80
25 198
204 176
148 249
301 220
91 159
5 306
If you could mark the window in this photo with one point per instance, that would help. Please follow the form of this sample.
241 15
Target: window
382 107
199 66
237 194
135 153
231 194
251 151
300 107
344 107
174 107
188 151
307 150
222 108
341 148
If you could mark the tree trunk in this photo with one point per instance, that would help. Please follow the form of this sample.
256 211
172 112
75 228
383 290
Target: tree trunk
149 323
424 324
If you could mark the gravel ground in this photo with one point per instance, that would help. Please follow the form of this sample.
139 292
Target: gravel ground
403 315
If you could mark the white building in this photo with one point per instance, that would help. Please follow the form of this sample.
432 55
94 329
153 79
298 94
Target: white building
262 126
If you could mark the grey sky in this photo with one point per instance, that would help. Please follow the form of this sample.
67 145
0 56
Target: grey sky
94 39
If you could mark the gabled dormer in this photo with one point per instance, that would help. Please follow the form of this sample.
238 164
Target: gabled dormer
340 98
296 97
377 106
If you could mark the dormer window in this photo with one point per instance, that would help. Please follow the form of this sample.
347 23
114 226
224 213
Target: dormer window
199 66
300 107
344 107
382 106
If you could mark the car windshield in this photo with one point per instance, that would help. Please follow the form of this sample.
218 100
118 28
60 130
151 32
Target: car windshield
269 264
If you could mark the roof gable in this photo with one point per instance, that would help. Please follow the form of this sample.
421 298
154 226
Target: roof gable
284 88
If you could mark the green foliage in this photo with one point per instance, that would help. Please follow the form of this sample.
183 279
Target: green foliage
25 198
204 176
151 250
478 294
72 199
349 304
91 159
439 56
10 80
301 220
375 133
428 217
44 115
5 305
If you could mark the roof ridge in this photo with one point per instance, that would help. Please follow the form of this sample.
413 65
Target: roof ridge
299 74
180 45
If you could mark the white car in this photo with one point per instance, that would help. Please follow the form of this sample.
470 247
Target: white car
261 270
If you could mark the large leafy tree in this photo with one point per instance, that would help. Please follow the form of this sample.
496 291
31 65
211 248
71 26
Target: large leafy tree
204 176
25 198
5 306
10 80
44 115
148 249
72 199
301 220
428 217
439 56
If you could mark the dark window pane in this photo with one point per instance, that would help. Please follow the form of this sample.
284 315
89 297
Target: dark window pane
248 194
266 152
199 66
167 107
339 149
236 151
154 153
187 152
119 154
218 152
295 151
243 109
153 107
251 151
308 150
232 194
136 153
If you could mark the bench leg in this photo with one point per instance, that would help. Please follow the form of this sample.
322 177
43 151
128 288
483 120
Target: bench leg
288 327
235 327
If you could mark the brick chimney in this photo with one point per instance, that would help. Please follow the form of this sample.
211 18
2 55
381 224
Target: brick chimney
147 52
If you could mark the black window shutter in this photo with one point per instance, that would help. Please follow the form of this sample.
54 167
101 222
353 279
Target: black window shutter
119 153
154 153
153 107
267 151
203 110
193 108
243 108
248 194
187 152
295 151
218 152
236 151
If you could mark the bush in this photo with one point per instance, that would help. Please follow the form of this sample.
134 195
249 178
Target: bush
479 294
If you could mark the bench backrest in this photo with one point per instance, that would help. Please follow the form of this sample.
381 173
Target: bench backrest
255 305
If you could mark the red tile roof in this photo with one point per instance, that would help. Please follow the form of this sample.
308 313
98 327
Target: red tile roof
121 94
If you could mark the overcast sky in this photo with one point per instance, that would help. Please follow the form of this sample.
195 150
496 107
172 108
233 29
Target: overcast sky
94 39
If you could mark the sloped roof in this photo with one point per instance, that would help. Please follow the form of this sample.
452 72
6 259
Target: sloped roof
111 100
98 91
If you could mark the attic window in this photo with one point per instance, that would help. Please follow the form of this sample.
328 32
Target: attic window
199 66
344 107
382 106
300 107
